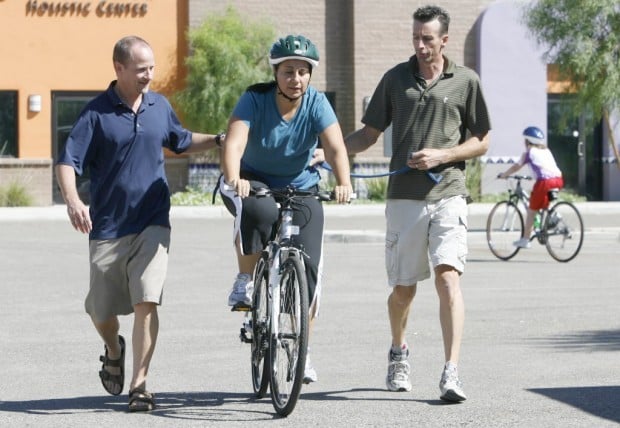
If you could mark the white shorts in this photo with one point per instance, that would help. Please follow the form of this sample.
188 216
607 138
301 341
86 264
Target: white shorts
417 230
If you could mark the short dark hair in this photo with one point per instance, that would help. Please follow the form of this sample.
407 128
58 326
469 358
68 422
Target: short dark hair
122 48
428 13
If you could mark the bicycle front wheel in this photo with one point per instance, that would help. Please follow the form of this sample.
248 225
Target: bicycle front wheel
288 349
563 230
260 329
504 227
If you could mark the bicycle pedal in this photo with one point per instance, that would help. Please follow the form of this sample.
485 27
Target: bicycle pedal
244 336
241 307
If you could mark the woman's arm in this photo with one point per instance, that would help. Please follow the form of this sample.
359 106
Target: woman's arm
236 140
337 157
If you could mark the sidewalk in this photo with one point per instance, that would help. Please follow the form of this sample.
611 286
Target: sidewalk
596 214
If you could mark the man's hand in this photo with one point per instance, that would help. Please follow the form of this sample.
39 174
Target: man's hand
79 216
317 157
426 159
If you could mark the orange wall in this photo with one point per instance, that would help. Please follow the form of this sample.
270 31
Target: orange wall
43 51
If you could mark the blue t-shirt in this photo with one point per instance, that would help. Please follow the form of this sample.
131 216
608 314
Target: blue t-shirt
123 152
279 151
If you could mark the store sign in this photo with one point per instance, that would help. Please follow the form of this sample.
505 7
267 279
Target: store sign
75 8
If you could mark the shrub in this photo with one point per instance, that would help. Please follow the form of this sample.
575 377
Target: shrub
377 189
191 197
15 195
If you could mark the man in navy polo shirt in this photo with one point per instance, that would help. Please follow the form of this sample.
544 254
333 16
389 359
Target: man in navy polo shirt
119 138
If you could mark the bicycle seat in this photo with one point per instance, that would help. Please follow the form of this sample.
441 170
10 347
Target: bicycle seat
553 193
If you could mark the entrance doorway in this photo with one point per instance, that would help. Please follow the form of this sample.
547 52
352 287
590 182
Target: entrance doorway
576 146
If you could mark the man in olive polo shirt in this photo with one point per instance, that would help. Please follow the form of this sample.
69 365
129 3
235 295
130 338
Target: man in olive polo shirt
439 119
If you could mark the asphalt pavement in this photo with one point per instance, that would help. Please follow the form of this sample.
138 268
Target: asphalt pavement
541 343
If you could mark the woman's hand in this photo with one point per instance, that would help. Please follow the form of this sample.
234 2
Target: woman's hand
242 188
342 194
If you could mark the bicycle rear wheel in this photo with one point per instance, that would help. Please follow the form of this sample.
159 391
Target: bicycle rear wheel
504 227
563 230
288 350
260 328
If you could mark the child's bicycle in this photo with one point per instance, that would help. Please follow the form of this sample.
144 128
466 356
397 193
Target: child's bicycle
276 324
560 225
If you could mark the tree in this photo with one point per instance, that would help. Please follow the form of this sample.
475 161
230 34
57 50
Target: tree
228 53
582 37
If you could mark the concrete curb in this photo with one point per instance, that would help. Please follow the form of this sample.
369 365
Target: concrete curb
59 212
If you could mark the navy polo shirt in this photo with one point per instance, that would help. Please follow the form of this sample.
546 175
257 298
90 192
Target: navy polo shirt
123 152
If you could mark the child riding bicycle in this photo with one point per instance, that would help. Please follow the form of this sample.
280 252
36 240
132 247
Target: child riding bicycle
548 176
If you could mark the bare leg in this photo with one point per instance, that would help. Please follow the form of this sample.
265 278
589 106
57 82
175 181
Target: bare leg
529 223
145 330
399 303
247 262
451 310
108 330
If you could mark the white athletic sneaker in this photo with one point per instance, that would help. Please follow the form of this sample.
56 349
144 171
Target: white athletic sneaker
522 243
309 372
242 290
398 372
450 385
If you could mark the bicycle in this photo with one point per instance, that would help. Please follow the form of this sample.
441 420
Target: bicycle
276 323
560 229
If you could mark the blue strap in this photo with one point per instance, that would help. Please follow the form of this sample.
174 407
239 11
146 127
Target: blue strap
435 178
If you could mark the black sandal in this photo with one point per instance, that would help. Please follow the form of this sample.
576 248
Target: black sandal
141 400
111 382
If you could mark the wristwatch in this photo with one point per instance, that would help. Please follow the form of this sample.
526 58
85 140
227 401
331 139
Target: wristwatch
219 138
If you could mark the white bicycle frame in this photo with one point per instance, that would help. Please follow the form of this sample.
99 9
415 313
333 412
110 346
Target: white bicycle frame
277 255
522 199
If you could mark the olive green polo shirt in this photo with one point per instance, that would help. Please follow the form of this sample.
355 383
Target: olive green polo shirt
439 115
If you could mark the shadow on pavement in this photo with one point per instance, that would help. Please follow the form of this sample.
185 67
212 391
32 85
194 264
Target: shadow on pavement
183 405
590 340
346 395
600 401
203 406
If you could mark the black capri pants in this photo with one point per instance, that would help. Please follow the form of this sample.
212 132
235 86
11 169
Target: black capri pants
255 221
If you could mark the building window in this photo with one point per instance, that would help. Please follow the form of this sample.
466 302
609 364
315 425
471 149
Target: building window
8 124
66 107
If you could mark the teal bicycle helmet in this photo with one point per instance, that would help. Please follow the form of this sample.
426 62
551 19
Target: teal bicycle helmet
294 47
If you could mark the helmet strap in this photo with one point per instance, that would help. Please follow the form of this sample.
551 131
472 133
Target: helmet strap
287 97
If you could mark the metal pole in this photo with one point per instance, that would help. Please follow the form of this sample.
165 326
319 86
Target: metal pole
581 156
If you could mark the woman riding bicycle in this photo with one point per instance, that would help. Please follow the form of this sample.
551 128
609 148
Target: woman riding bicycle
272 135
548 176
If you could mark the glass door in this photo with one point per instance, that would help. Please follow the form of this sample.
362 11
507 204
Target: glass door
576 146
66 107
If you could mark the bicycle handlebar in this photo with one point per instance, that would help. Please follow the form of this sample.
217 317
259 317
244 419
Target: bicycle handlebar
516 177
290 192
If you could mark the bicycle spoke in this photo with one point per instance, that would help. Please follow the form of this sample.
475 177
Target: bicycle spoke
504 227
564 231
289 347
260 330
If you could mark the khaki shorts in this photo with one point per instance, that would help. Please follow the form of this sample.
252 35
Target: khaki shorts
127 271
419 230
